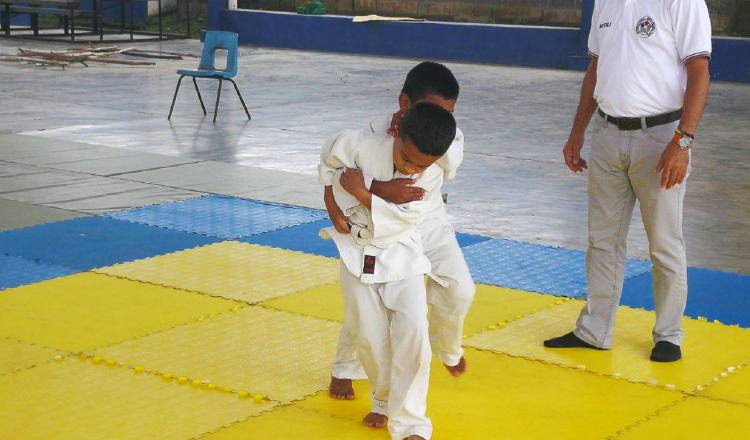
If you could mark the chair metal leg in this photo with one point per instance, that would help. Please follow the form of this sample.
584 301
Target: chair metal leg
195 83
130 4
218 96
6 20
161 26
122 17
99 18
237 89
174 98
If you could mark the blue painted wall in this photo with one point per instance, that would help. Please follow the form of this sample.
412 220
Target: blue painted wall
215 10
730 60
546 47
495 44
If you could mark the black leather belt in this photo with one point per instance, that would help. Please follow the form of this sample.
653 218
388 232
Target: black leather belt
637 123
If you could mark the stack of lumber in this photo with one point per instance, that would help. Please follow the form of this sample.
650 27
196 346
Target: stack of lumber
108 55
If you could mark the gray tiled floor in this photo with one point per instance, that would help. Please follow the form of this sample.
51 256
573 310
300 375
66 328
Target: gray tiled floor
512 184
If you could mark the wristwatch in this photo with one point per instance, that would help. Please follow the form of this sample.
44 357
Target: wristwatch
683 140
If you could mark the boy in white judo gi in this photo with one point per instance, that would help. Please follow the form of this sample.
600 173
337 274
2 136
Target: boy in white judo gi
434 83
383 263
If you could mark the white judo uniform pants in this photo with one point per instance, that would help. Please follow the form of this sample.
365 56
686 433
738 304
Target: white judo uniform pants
448 305
393 344
621 170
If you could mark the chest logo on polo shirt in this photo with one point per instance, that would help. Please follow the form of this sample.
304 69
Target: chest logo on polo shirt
646 27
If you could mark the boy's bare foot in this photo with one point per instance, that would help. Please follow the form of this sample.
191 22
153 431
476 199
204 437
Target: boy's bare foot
341 389
375 420
458 369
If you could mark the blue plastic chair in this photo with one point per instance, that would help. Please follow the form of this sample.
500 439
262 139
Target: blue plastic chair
207 68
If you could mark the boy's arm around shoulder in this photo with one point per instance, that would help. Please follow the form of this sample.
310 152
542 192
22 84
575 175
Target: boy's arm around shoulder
392 219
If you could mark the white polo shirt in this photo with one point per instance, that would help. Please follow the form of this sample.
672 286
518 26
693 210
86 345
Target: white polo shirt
642 47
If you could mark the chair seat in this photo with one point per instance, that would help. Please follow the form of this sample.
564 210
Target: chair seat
205 73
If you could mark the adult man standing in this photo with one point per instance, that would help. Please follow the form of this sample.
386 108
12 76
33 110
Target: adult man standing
649 77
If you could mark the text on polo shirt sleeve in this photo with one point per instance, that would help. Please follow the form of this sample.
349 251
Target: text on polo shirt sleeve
594 32
692 28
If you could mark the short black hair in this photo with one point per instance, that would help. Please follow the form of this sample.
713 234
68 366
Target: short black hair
430 127
428 78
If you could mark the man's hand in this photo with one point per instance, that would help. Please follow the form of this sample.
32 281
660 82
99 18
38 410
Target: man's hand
398 191
334 212
395 123
673 165
572 154
586 109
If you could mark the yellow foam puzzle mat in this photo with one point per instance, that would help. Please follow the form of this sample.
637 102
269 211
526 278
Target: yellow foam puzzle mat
76 399
501 397
324 302
291 422
693 418
88 310
708 349
493 307
277 355
732 385
17 355
233 270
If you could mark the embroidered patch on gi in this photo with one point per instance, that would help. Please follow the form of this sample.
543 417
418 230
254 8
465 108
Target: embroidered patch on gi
646 27
369 266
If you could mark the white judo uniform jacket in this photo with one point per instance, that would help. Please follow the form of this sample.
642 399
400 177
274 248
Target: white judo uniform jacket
384 244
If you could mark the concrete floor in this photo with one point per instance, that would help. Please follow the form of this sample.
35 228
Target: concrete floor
512 185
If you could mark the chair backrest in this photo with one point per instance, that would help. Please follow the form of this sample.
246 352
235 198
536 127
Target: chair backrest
220 40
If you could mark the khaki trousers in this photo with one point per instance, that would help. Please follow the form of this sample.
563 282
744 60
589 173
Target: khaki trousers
621 170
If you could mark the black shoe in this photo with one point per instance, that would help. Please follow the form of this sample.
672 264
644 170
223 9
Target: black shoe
568 341
666 352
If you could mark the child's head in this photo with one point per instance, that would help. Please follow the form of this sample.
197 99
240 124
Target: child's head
426 132
429 82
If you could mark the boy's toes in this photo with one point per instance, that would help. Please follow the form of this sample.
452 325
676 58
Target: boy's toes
375 420
341 389
458 369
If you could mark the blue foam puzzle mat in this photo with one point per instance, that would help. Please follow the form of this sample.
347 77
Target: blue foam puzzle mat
17 271
301 238
465 240
90 242
534 267
712 294
220 216
305 238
